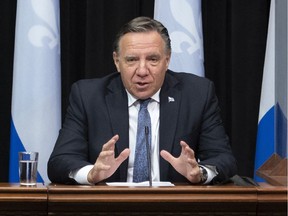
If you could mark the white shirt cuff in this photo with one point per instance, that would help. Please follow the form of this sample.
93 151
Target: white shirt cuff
211 172
81 175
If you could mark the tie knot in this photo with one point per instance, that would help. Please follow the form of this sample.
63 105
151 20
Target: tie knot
144 103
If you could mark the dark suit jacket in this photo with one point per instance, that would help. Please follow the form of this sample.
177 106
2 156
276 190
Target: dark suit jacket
98 110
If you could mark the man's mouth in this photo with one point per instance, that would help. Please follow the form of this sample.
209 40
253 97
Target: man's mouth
142 84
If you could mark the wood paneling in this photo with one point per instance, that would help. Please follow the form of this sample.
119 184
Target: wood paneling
23 200
105 200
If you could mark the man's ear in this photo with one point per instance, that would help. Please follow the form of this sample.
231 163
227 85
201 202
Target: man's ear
168 57
116 60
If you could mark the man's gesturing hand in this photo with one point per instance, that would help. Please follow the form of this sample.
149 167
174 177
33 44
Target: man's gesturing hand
106 164
185 164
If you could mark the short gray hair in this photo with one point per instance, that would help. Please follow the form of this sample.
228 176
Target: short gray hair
143 24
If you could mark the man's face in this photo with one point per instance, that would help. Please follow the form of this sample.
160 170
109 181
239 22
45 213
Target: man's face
142 62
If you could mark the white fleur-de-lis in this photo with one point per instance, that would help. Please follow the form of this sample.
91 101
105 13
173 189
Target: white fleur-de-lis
44 10
186 19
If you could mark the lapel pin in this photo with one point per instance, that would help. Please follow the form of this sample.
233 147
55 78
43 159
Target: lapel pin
170 99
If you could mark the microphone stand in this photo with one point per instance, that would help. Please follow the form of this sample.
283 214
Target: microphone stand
148 149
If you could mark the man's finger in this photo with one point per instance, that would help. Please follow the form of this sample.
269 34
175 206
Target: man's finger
123 156
110 145
187 150
167 156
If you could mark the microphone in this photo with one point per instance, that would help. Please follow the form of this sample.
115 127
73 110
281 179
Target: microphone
148 149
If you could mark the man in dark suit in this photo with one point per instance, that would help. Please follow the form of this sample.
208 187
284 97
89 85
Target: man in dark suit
98 139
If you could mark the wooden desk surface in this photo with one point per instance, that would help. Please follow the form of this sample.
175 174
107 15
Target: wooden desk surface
182 193
178 200
23 200
54 199
272 199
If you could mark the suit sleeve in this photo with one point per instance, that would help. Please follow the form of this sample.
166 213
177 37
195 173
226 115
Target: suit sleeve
214 147
70 151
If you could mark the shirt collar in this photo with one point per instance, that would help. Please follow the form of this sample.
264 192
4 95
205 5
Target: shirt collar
132 99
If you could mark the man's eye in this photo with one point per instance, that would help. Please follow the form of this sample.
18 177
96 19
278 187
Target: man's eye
154 60
131 60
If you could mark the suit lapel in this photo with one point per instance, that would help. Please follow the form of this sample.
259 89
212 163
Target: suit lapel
170 99
117 102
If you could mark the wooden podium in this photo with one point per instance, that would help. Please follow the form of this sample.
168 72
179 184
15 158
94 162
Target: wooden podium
274 170
123 201
102 200
23 201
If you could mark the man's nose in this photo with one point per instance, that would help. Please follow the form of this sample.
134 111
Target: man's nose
142 68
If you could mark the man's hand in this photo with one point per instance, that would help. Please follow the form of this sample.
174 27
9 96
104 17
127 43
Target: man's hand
106 164
185 164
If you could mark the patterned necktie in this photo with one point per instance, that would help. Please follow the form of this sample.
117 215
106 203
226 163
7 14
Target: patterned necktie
141 169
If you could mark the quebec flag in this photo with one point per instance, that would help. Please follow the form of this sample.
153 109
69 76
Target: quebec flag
36 96
183 20
266 121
